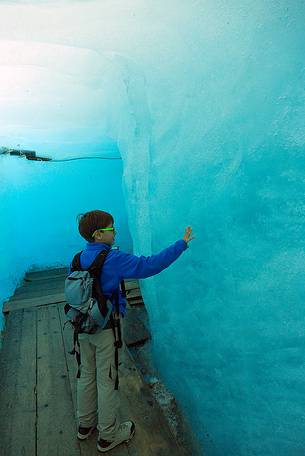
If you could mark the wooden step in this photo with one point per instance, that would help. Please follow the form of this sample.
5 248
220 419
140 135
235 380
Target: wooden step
43 282
131 284
27 303
46 274
33 292
136 302
135 293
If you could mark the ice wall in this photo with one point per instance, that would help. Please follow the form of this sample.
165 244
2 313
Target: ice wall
39 203
206 102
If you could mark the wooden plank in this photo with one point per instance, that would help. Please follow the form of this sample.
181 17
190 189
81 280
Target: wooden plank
135 293
18 385
71 364
44 278
46 273
29 293
136 302
131 284
56 427
38 284
10 306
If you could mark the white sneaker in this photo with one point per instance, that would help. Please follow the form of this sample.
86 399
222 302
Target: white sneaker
85 432
124 434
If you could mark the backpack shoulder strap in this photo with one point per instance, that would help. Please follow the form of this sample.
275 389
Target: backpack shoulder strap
95 268
76 262
94 271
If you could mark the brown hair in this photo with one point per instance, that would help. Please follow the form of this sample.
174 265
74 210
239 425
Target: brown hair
91 221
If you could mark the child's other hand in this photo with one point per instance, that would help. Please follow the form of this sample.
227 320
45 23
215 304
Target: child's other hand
188 234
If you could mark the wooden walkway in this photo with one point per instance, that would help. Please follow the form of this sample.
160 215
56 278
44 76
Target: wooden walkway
38 379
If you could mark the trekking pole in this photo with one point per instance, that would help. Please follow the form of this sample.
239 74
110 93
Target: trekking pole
117 330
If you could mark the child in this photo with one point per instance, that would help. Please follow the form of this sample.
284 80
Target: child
97 399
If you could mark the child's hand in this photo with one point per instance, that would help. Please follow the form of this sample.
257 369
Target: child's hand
188 234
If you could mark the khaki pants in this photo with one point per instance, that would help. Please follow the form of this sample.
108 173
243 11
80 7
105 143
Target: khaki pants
97 400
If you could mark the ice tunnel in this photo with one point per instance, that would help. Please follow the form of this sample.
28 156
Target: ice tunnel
178 113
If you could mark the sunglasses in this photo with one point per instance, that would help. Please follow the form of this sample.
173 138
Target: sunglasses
103 229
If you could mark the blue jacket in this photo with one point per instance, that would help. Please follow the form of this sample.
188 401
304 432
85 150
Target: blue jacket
119 265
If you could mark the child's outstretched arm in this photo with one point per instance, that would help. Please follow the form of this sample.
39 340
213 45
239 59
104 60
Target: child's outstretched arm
132 266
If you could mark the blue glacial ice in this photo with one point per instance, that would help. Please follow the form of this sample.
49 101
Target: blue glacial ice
204 103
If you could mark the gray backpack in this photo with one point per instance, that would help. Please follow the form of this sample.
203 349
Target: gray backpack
87 309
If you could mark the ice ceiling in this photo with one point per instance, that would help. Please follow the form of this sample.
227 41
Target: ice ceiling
204 102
